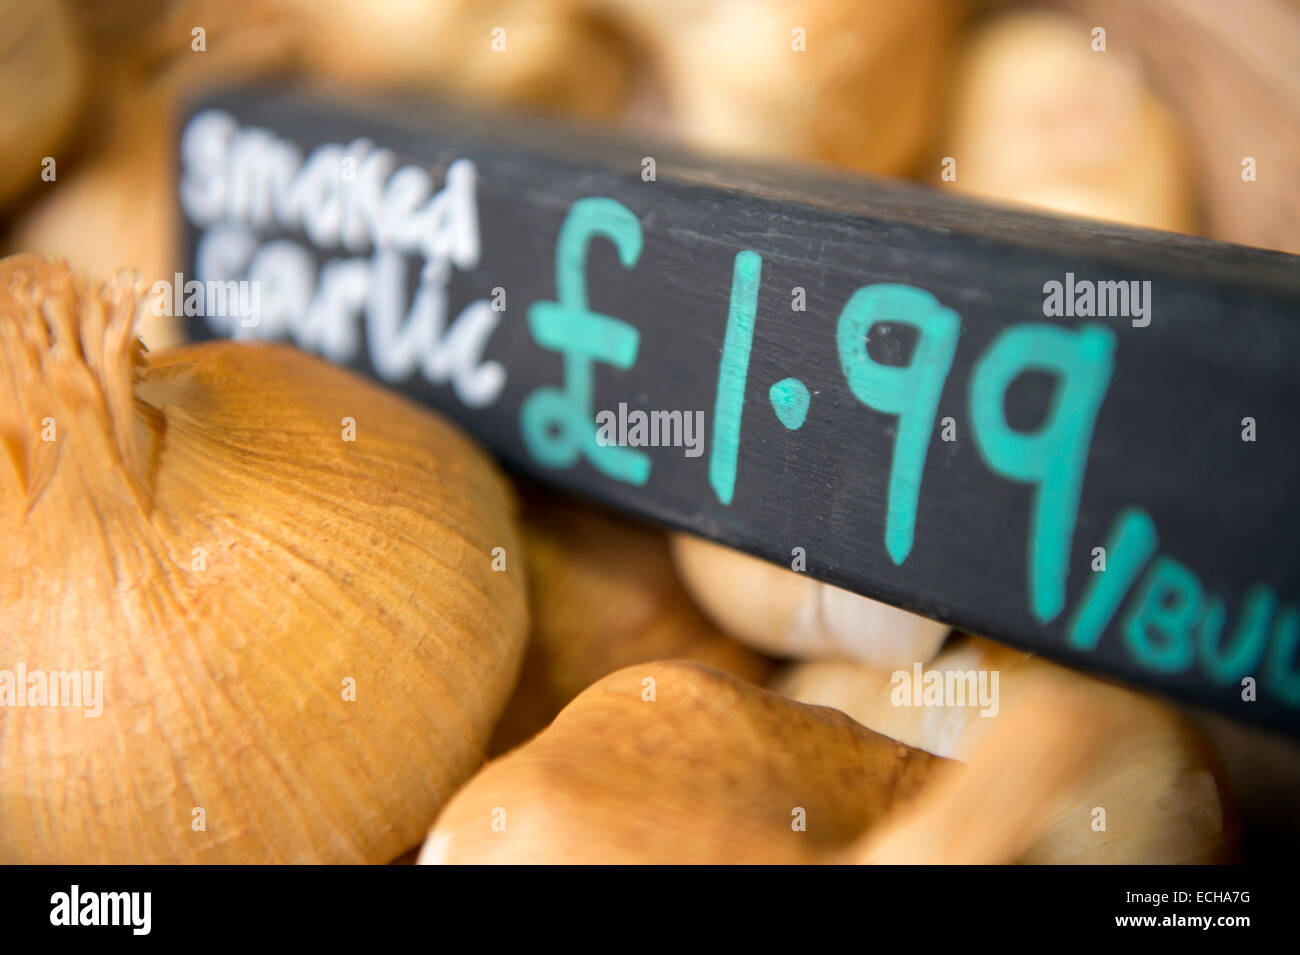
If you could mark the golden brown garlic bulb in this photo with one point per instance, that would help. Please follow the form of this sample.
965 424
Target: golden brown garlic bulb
789 614
282 573
603 595
1066 746
677 762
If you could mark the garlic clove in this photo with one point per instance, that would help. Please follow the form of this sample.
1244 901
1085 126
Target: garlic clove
676 762
787 614
1165 797
867 693
302 643
603 595
993 807
1065 744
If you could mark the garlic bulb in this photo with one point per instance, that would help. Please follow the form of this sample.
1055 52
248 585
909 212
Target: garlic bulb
278 575
1042 118
840 81
1101 774
788 614
679 763
603 595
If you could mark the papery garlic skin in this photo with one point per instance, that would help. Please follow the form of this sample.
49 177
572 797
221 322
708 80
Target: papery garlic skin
787 614
303 641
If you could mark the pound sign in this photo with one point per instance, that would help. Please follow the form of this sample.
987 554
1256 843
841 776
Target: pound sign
558 424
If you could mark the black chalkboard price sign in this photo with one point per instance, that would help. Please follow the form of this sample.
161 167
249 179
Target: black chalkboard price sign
1075 438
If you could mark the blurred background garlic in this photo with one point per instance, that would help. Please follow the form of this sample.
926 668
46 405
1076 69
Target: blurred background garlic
1042 118
788 614
99 220
548 55
112 207
283 574
1160 789
42 76
680 763
1229 72
603 595
839 81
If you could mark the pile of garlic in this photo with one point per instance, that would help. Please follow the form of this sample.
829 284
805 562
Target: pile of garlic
307 601
304 600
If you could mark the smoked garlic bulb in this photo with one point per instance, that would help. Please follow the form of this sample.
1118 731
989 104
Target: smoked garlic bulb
678 762
274 579
789 614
